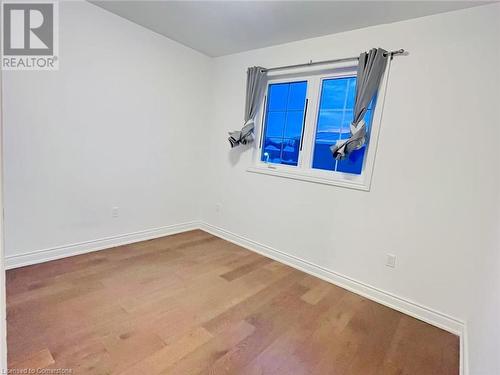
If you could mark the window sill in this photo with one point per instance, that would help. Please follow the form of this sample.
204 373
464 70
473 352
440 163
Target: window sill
273 170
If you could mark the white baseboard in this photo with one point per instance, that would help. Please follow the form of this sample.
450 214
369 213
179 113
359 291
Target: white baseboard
406 306
45 255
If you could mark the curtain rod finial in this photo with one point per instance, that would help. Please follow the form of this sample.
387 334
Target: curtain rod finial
400 51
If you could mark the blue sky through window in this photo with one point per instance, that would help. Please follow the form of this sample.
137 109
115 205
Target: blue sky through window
283 122
334 118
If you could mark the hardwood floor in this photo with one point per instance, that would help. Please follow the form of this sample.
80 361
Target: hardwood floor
195 304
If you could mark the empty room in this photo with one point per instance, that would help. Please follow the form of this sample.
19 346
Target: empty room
250 187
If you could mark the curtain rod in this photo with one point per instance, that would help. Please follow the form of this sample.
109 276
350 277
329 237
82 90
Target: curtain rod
311 63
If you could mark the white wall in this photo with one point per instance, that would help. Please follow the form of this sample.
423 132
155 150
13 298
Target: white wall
3 328
115 126
434 197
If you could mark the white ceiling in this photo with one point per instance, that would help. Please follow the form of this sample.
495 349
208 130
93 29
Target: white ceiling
219 28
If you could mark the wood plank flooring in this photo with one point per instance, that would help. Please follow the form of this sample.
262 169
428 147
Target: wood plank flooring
195 304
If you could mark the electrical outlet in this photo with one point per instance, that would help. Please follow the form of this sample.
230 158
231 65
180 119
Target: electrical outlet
391 261
114 212
218 207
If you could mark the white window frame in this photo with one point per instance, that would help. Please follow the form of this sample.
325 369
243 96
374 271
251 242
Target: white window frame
304 171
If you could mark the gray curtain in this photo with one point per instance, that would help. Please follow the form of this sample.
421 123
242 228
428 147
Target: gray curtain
371 68
255 87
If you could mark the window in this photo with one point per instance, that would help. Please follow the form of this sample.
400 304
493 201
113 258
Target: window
284 122
335 114
302 117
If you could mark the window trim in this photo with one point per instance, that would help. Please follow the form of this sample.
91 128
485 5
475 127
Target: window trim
304 171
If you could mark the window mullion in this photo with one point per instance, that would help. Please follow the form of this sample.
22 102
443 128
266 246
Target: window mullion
310 126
